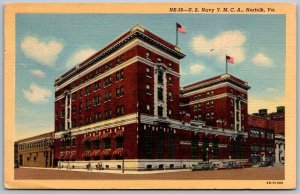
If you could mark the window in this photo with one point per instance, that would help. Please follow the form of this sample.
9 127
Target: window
171 65
231 114
148 72
148 56
170 80
63 112
159 60
121 75
148 89
73 123
212 115
96 86
117 76
160 92
170 96
212 104
148 109
207 116
195 117
195 146
199 106
207 105
107 143
73 96
117 92
160 77
121 91
160 111
148 143
97 117
170 113
195 107
119 142
73 109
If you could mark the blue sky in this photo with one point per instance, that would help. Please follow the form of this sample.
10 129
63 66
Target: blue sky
47 45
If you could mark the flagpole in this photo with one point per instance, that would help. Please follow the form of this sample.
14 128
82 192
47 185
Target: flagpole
176 35
226 64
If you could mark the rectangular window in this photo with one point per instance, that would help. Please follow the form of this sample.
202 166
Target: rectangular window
170 80
170 96
160 111
73 96
148 89
148 72
148 56
160 92
170 114
148 109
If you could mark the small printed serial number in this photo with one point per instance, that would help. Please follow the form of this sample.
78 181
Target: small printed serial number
274 182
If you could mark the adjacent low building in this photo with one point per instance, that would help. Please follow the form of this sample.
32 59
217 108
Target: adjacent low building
36 151
266 135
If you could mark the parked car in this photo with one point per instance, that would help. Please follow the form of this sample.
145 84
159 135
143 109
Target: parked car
266 163
203 166
246 164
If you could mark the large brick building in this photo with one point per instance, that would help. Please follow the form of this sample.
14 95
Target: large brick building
125 101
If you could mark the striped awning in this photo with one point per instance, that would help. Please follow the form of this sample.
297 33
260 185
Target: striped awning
119 133
95 138
86 139
95 153
86 153
66 156
106 152
106 135
61 156
72 156
119 152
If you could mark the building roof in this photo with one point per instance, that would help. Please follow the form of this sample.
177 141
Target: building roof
215 80
136 31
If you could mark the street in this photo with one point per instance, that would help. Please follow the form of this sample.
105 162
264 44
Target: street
262 173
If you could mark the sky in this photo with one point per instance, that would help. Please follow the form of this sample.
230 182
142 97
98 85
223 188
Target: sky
47 45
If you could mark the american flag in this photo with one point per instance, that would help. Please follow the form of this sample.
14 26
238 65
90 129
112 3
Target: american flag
180 28
229 59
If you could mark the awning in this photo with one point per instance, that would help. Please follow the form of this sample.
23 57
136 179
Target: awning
95 153
66 156
86 139
119 152
72 156
105 152
61 156
86 153
106 135
95 138
119 133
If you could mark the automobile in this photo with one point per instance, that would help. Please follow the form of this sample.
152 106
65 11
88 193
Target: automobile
203 166
246 164
266 163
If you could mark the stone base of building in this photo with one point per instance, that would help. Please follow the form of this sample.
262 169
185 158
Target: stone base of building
139 164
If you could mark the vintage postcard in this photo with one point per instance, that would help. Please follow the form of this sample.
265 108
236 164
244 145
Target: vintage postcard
150 96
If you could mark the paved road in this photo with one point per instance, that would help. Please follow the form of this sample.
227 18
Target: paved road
263 173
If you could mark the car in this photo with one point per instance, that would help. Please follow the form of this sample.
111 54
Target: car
246 164
203 166
266 163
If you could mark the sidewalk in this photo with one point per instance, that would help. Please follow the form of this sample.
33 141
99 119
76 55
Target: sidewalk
117 171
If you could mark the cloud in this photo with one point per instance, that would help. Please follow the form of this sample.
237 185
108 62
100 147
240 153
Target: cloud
197 68
37 73
227 43
271 90
44 53
262 60
37 94
80 56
